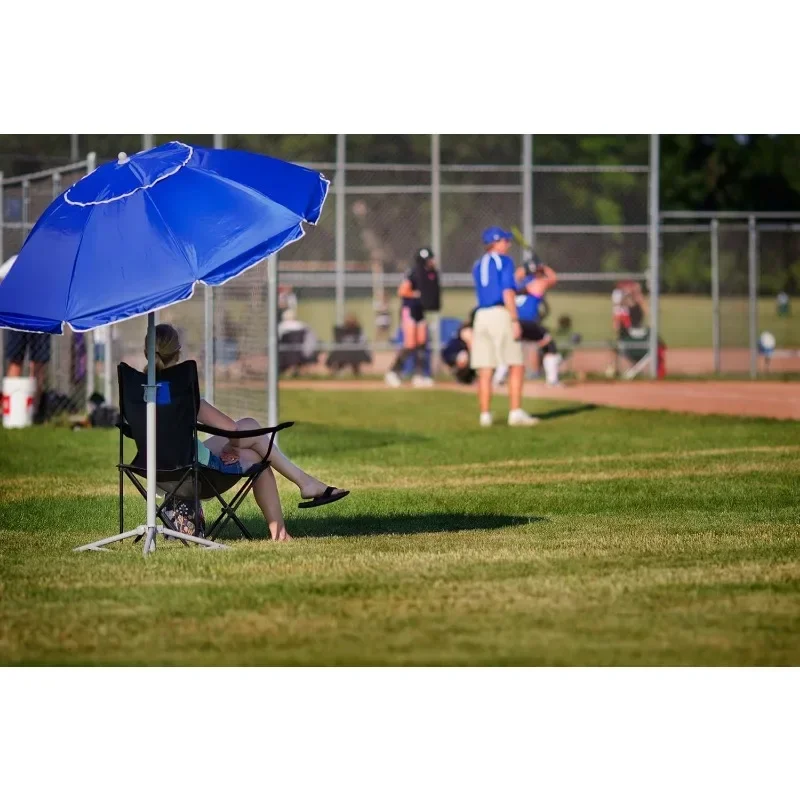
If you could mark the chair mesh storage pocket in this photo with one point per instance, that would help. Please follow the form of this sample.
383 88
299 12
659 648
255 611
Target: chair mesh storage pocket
180 511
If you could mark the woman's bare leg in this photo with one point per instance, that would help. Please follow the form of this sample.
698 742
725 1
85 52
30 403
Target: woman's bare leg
308 485
265 490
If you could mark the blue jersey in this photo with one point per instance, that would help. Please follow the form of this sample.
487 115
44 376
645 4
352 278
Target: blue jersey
492 274
527 304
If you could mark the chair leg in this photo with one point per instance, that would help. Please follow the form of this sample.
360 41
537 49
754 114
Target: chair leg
121 502
229 509
196 487
227 513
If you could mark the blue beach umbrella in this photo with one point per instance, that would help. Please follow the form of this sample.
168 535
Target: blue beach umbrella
140 233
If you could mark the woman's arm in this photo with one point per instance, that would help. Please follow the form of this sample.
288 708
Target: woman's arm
208 415
407 291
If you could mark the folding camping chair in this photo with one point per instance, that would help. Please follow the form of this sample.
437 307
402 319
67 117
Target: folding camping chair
634 345
179 475
351 351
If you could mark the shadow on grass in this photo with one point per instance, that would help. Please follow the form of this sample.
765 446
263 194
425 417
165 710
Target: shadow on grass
384 525
311 438
567 412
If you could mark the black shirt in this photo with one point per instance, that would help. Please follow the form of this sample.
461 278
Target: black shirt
636 313
427 282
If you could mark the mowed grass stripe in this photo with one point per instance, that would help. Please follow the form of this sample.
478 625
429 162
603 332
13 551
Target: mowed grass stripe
602 537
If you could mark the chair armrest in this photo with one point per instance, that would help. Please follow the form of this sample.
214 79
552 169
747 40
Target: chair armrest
242 434
125 429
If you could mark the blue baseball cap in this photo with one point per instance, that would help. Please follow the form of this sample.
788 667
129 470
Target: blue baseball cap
495 234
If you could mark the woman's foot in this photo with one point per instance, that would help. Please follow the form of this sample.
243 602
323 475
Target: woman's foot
281 536
329 494
313 489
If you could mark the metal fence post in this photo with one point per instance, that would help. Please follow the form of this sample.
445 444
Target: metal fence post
752 269
26 202
341 204
91 363
209 312
272 340
208 342
436 238
147 141
715 314
527 191
108 386
654 232
88 337
73 148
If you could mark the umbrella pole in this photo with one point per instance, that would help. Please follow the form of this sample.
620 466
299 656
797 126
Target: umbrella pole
150 530
150 391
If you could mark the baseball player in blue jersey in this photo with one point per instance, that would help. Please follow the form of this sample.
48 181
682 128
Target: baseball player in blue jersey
533 281
496 332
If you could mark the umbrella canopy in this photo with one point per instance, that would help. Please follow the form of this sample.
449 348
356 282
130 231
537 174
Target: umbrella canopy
139 233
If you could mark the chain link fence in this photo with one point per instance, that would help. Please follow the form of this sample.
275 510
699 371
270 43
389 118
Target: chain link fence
726 281
720 278
71 371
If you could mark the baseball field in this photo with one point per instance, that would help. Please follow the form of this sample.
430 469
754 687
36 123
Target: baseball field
603 536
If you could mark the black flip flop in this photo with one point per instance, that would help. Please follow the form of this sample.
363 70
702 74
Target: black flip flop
326 497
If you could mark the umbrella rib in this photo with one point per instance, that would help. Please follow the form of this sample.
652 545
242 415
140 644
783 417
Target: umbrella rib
173 238
74 266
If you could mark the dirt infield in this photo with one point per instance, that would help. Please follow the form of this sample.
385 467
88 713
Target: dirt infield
738 398
694 361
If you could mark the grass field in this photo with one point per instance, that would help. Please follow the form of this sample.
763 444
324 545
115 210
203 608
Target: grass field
600 537
686 320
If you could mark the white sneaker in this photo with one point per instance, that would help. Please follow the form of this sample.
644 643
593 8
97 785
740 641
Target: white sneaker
422 382
392 379
520 418
486 419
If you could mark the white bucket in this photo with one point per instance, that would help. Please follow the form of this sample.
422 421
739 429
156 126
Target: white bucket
18 398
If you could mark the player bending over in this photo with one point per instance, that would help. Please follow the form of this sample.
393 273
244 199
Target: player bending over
533 280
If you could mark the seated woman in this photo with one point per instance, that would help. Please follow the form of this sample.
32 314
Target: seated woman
238 455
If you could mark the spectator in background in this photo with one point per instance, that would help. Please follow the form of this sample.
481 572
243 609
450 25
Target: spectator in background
287 301
297 344
620 318
36 346
629 306
383 320
351 347
637 305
